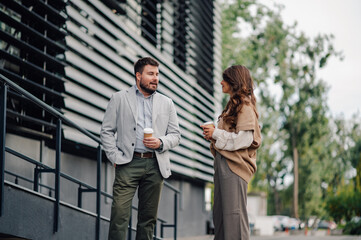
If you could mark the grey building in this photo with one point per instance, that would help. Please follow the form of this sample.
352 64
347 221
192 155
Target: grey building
73 55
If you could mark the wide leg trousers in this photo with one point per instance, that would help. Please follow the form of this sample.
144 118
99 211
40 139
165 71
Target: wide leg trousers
230 203
144 174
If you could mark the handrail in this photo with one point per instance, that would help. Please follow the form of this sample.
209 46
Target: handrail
171 187
48 108
76 181
17 177
7 83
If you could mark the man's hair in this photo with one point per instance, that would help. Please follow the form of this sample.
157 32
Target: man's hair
142 62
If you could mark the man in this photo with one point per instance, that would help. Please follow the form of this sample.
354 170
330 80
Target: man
140 162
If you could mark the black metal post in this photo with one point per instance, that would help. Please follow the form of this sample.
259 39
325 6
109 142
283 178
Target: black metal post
174 225
36 179
162 230
80 196
155 231
3 96
175 214
130 226
57 175
37 172
99 168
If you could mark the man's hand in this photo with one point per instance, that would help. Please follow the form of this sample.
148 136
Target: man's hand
151 142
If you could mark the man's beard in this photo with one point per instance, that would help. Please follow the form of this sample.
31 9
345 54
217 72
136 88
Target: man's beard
145 88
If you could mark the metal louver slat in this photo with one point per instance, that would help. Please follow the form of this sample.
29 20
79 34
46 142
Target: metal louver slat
86 95
83 108
30 66
30 49
91 69
31 33
88 82
33 16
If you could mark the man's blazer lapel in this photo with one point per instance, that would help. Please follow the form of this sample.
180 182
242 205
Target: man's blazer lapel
132 101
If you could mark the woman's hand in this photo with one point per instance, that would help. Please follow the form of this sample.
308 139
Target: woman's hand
208 131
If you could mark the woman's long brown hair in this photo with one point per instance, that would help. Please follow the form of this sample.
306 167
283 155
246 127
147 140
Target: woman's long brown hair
241 84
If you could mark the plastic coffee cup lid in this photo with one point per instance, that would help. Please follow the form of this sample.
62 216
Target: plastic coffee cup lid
148 130
207 123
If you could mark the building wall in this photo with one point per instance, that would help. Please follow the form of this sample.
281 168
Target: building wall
193 215
30 216
101 52
75 54
257 204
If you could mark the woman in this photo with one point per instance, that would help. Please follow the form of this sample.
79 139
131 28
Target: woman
233 144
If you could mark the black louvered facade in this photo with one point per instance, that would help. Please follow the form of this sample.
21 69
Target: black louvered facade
32 51
74 54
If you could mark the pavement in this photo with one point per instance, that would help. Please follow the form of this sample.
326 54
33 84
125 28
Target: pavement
314 236
303 237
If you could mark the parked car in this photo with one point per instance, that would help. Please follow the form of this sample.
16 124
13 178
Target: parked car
281 223
293 223
323 224
278 222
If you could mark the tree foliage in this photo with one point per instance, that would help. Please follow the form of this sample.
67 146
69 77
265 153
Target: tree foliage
299 136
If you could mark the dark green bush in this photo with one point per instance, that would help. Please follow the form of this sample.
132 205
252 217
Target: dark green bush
345 205
353 227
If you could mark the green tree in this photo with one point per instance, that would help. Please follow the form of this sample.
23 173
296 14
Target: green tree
355 150
304 113
343 195
292 105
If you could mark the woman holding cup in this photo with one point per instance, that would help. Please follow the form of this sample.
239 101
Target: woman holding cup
233 144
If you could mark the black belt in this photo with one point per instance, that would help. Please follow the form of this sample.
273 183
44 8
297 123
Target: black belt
145 154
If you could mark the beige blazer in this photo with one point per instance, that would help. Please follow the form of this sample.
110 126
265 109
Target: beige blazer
118 131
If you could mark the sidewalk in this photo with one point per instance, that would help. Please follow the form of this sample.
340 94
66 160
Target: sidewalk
281 237
205 237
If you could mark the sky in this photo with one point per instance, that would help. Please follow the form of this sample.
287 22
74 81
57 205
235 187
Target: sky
342 18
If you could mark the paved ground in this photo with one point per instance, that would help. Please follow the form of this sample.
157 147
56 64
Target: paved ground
285 237
303 237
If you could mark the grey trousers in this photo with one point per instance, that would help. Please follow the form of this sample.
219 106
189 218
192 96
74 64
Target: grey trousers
144 174
230 203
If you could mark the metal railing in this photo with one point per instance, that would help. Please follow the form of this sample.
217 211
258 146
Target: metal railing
42 168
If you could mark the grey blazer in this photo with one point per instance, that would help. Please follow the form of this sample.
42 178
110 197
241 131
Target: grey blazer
118 131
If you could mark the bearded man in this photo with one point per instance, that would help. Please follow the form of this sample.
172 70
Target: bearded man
140 163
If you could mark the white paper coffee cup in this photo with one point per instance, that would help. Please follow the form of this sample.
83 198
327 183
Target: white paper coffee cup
148 132
208 123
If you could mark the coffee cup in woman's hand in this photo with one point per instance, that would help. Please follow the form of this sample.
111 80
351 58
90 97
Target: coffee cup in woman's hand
208 129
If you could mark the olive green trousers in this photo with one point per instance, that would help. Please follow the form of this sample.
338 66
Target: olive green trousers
144 174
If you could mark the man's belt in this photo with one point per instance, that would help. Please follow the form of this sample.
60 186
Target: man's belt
145 154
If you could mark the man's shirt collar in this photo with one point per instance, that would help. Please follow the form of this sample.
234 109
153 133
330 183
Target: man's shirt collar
137 91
